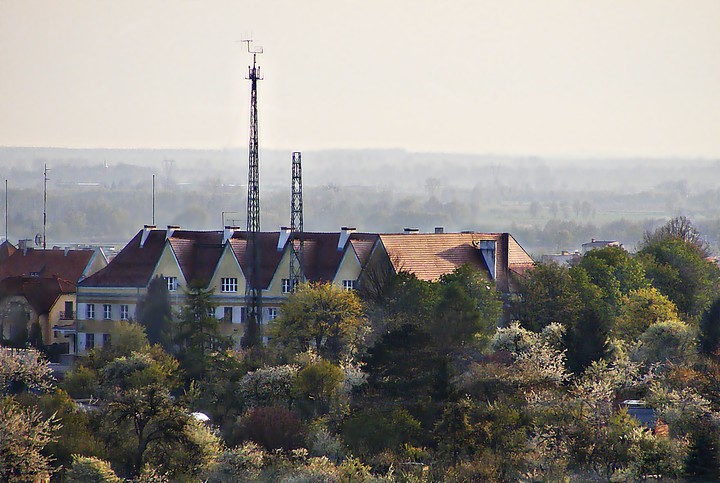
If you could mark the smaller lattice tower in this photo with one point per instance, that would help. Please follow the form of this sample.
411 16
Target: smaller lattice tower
296 223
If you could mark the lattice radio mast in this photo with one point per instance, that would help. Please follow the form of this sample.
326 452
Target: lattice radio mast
297 239
253 291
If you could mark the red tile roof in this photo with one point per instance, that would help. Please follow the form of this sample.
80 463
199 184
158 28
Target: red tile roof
269 255
41 293
68 265
198 252
133 266
431 255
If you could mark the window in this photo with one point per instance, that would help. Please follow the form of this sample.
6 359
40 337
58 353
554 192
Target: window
228 285
272 313
211 312
124 312
349 285
172 283
107 311
89 341
90 311
227 314
68 312
286 285
243 314
106 340
35 274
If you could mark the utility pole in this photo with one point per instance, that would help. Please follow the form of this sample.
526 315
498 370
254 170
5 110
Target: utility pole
253 291
153 200
6 210
297 239
45 180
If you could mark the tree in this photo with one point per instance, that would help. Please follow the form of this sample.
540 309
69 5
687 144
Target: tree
639 310
468 306
668 341
91 470
680 228
316 386
155 313
322 317
24 432
680 271
22 370
675 260
547 295
135 393
710 329
615 271
268 386
198 331
586 338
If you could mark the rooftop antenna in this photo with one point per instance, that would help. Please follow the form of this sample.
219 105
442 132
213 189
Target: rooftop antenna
296 223
253 291
153 200
45 180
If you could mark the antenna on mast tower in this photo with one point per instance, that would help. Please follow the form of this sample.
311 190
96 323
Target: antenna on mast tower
253 291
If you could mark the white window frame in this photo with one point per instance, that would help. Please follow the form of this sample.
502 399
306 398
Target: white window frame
172 284
107 311
90 311
348 285
89 341
229 284
272 313
286 285
124 312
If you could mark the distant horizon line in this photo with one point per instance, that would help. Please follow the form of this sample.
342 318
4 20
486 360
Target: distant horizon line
560 157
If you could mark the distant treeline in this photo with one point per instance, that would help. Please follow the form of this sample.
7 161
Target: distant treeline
106 195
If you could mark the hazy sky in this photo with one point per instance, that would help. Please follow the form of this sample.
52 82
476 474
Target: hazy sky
544 77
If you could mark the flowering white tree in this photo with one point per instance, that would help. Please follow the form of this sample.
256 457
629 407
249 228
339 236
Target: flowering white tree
22 369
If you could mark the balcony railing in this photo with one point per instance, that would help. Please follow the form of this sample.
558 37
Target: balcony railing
69 315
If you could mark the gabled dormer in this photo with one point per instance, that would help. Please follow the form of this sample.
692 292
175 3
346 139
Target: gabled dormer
168 266
279 285
228 278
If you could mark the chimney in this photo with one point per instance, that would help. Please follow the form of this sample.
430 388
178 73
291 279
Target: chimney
170 230
146 232
283 238
345 233
228 232
487 250
411 231
439 229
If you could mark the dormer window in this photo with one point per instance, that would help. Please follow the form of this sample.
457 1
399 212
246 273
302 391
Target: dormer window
228 284
35 274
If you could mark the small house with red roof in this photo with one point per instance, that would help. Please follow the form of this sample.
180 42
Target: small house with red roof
38 291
